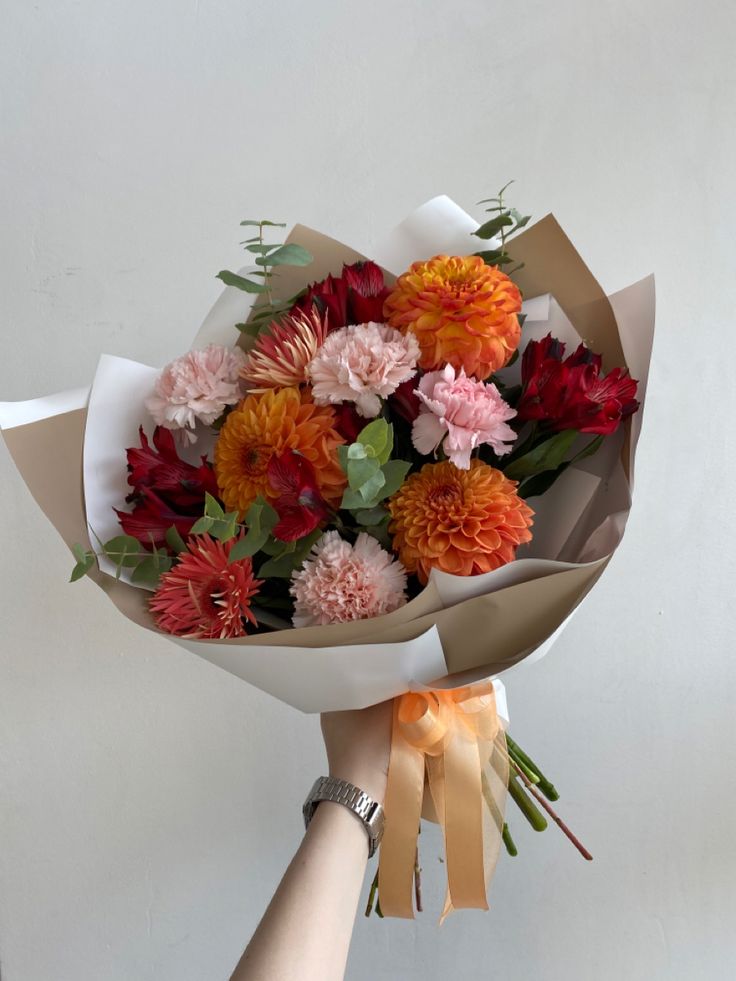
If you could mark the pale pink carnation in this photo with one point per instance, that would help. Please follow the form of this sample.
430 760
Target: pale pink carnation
340 582
461 413
362 363
197 387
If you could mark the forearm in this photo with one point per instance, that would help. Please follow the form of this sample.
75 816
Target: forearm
305 933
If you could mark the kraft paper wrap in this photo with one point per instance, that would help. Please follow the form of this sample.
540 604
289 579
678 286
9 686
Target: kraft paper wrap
440 639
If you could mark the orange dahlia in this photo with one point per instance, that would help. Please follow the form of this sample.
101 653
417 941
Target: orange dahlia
462 312
267 424
461 521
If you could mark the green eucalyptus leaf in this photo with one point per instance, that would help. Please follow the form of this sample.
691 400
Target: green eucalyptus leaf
547 456
174 540
378 434
357 451
362 472
287 255
223 529
240 282
354 501
202 525
85 560
260 248
394 473
250 329
493 226
281 566
373 489
264 222
260 520
212 507
372 516
342 456
123 550
150 569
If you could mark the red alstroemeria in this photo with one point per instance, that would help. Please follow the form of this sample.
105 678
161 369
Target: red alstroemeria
299 504
367 292
347 421
355 297
166 490
405 401
571 393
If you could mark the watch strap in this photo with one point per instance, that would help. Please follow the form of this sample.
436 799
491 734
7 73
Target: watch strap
365 808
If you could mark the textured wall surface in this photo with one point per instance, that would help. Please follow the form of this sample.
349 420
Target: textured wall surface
148 801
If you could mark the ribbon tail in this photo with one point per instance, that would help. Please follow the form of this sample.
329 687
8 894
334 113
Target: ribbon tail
403 811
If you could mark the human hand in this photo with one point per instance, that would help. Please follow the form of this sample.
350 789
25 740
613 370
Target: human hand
358 744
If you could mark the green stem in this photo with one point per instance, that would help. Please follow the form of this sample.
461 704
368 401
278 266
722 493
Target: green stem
530 774
372 897
509 842
527 806
545 785
555 817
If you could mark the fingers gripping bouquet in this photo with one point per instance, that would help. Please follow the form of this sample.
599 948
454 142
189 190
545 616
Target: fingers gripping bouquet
397 478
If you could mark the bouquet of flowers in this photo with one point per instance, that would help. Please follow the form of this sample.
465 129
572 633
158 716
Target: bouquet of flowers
392 477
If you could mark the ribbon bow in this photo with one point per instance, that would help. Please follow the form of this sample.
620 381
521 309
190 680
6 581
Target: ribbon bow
456 738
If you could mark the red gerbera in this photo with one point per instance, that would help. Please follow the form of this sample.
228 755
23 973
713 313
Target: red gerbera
205 596
299 504
166 490
572 393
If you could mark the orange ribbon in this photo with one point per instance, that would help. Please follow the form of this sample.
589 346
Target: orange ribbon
450 735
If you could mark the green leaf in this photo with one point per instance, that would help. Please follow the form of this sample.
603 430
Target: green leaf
174 540
212 507
370 489
547 456
361 472
250 329
123 550
150 569
354 501
378 434
85 560
342 456
281 566
287 255
202 525
260 520
261 249
357 451
395 472
491 228
372 516
223 529
264 222
240 283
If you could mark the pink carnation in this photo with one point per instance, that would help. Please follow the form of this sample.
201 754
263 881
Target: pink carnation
197 387
464 413
340 582
362 363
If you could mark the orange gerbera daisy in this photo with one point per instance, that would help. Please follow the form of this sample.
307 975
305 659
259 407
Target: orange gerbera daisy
463 313
461 521
267 424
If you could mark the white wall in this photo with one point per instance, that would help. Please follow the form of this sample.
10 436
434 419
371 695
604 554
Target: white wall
149 802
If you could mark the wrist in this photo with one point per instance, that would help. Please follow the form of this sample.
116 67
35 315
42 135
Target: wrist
372 780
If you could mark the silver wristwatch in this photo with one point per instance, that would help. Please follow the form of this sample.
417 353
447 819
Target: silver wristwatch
356 800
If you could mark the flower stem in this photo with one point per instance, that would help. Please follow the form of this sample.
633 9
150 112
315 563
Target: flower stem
521 757
372 896
555 817
509 841
418 883
527 807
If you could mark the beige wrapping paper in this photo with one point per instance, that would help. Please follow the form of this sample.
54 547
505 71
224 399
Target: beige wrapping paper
440 639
